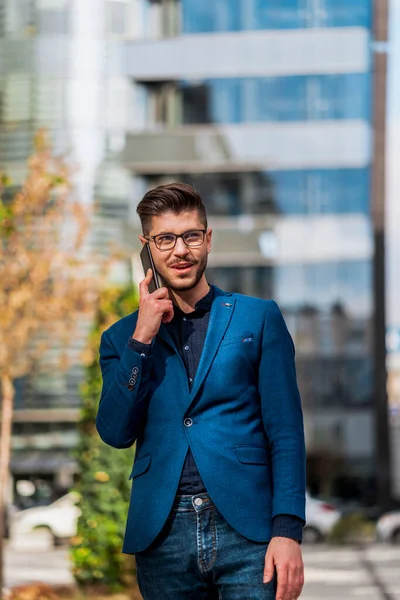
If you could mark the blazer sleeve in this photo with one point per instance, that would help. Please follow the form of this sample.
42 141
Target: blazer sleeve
122 410
282 415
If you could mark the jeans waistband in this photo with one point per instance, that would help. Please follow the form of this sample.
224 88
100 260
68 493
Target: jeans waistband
195 502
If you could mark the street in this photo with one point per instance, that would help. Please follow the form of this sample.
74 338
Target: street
330 573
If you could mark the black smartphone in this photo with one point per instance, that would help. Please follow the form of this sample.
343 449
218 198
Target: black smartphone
148 263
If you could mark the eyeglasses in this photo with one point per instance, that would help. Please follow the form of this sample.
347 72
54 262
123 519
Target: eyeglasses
167 241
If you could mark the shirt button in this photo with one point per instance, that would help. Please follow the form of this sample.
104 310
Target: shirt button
186 347
188 422
184 318
143 354
190 379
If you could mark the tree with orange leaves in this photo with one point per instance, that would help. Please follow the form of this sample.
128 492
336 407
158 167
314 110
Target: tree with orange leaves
48 282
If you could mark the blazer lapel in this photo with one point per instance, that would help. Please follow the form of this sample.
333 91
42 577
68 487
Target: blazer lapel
164 335
220 316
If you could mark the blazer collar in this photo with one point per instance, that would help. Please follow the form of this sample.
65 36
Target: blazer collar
222 308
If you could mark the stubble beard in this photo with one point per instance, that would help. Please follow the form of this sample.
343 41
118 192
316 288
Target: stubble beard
187 284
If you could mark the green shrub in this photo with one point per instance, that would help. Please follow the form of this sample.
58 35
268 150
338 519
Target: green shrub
352 528
103 485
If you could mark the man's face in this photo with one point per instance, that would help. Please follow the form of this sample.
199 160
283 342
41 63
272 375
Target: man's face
167 262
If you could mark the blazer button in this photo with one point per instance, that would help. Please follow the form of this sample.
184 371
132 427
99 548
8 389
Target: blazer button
130 387
188 422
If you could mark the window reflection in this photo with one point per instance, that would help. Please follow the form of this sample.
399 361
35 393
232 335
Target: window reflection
256 99
252 281
335 382
317 288
317 191
232 15
290 98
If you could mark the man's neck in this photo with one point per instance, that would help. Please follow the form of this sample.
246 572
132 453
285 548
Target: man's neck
187 300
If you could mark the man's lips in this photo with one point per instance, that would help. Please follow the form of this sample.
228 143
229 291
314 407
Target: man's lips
182 267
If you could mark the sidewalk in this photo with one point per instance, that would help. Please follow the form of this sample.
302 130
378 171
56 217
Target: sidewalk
330 573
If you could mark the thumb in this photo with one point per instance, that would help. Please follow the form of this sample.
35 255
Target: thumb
269 568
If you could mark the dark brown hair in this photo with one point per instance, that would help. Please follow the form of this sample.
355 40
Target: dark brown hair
171 198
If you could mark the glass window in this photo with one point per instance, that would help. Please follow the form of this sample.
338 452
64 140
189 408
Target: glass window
334 286
196 103
158 103
221 191
54 17
197 16
292 98
252 281
17 99
226 100
116 17
321 191
50 100
234 15
19 16
328 308
335 381
341 191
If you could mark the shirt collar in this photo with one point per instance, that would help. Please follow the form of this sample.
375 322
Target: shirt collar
204 304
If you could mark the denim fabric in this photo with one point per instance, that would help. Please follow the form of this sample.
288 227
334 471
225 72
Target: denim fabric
199 556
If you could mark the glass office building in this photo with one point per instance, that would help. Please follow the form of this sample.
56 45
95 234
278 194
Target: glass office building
266 108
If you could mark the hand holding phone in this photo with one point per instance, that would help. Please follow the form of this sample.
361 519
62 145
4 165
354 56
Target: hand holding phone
148 263
155 307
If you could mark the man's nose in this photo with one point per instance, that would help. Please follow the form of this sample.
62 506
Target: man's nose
180 247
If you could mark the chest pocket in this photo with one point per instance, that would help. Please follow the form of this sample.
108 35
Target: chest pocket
243 338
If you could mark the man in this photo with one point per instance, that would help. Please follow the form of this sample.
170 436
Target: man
204 381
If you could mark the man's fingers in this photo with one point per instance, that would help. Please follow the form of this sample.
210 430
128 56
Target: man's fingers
295 582
282 576
144 284
299 580
161 293
292 585
269 568
168 316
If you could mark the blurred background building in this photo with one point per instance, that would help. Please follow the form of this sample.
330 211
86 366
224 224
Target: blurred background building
264 106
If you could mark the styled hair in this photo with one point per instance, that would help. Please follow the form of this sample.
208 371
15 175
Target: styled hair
170 198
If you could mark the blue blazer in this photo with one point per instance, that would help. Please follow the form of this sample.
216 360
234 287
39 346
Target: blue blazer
242 418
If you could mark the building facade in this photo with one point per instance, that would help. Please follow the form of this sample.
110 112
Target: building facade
265 107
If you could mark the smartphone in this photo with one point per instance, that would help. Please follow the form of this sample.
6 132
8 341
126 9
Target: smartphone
148 263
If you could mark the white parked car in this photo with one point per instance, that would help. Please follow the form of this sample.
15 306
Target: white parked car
59 518
388 527
321 517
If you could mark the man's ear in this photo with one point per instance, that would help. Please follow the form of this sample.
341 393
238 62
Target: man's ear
209 236
142 239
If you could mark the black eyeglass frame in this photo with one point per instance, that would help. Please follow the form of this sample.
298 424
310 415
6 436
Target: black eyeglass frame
177 235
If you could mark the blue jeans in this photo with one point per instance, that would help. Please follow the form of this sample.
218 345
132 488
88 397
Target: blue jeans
199 556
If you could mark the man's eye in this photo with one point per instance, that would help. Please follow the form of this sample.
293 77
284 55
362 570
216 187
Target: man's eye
192 235
165 238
